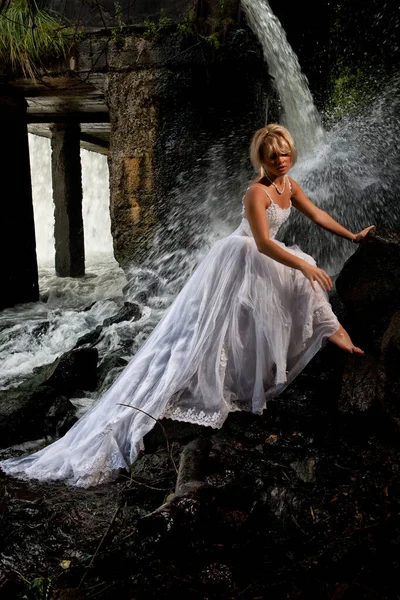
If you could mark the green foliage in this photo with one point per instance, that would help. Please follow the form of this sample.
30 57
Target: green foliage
356 69
351 90
346 94
39 588
30 37
155 28
211 31
117 35
187 28
214 40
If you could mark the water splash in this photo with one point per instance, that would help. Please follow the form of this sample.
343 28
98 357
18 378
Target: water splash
354 175
299 113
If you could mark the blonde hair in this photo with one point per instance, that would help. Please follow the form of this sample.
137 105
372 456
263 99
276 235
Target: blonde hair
269 140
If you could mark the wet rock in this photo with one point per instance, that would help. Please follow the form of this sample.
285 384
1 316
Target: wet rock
153 468
90 338
23 410
22 413
368 286
60 418
129 312
391 362
72 371
283 505
305 469
90 306
40 329
109 369
216 578
362 384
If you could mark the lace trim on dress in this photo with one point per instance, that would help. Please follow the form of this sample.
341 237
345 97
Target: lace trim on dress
190 415
321 313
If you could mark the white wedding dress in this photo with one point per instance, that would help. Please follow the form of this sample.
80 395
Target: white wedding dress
237 334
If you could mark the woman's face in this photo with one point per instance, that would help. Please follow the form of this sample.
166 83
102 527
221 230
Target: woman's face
278 164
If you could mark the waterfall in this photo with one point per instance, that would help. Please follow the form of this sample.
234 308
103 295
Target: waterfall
42 195
299 113
95 204
95 208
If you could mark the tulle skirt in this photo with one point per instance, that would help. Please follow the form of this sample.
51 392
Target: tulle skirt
237 334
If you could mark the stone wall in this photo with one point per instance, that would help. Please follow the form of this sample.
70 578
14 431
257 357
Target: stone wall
169 104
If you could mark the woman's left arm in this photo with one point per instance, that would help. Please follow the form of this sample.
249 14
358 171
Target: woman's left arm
322 218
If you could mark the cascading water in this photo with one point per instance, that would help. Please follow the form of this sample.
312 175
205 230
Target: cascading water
95 204
352 172
299 114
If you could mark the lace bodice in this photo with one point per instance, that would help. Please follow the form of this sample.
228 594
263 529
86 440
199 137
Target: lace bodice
275 214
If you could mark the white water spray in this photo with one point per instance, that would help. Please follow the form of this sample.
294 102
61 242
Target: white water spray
353 174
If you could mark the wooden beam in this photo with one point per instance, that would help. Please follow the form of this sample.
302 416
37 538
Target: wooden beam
68 117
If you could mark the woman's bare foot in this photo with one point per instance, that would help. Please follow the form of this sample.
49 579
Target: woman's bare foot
342 339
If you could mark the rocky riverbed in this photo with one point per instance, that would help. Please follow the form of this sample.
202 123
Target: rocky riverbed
301 502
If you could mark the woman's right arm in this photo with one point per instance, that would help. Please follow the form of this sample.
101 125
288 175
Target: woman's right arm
256 203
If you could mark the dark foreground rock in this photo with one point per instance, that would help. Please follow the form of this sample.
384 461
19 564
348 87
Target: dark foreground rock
302 502
40 405
367 285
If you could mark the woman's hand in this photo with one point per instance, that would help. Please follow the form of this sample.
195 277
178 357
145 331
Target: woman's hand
360 236
316 274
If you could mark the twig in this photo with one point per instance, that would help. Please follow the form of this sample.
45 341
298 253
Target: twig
107 587
90 565
162 427
340 467
297 524
96 3
151 487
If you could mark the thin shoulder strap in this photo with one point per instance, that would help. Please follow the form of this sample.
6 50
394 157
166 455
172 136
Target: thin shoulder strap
261 187
290 186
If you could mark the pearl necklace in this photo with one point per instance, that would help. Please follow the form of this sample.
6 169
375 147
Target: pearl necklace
280 192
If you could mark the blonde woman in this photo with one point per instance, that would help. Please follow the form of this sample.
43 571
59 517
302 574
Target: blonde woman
250 318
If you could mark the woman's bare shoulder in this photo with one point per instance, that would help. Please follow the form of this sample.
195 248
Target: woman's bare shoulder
257 192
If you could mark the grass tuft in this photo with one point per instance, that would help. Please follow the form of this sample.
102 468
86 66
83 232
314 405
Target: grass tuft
30 37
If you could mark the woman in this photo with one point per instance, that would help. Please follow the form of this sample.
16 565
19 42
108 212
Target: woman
249 319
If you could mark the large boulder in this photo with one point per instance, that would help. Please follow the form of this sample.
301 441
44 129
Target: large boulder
368 286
